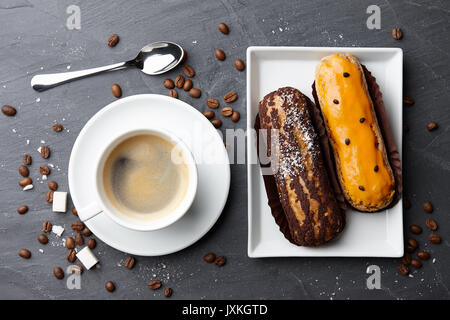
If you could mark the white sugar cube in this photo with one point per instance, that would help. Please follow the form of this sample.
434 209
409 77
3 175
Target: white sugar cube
58 230
59 201
87 258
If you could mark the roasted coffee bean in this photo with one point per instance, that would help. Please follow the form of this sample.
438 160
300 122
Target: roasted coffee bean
239 64
57 127
220 55
129 262
154 284
23 171
49 197
168 292
423 255
46 226
406 259
76 269
410 248
188 70
434 238
169 84
71 255
58 273
220 261
217 123
195 93
432 126
397 33
75 212
42 238
227 111
27 160
407 203
235 116
70 243
86 232
78 238
187 85
179 81
212 103
431 224
223 28
52 185
209 114
230 97
173 93
428 206
403 269
9 111
113 40
414 228
413 243
92 243
77 226
408 101
44 170
25 253
116 90
109 286
209 257
45 152
22 209
25 181
416 263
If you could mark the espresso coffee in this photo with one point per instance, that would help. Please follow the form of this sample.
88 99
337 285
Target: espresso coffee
145 177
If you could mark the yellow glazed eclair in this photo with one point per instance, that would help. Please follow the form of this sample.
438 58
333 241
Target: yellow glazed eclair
362 165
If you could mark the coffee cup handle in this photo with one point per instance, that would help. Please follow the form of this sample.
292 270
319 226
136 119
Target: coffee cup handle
90 211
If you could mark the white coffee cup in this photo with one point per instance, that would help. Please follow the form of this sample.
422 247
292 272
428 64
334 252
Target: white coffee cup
103 206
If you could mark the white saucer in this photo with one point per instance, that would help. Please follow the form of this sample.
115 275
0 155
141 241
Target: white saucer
190 126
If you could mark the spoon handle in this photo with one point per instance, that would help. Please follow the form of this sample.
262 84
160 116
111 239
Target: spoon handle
42 82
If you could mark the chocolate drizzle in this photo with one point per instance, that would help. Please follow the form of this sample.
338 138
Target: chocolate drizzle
315 217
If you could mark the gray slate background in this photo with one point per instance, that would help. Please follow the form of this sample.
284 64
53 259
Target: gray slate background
34 39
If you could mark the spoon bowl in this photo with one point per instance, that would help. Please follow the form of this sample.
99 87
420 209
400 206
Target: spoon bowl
153 59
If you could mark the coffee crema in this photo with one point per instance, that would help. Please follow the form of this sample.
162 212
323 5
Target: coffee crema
142 181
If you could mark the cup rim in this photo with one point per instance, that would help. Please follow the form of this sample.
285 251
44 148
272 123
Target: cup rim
167 220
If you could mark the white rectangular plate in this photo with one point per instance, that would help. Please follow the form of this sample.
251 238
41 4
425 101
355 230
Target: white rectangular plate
365 235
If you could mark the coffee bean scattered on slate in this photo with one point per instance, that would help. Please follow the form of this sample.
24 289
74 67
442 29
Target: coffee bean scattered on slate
239 64
70 243
42 238
74 212
57 127
230 97
45 152
173 93
220 54
52 185
23 171
235 116
58 273
78 239
427 207
27 160
49 197
423 255
209 257
22 209
403 269
212 103
154 284
227 111
71 255
209 114
46 226
76 269
77 225
220 261
195 93
109 286
223 28
188 70
91 243
168 83
86 232
188 84
408 101
44 169
397 33
116 90
414 228
168 292
406 259
129 262
416 263
25 181
9 111
434 238
25 253
113 40
431 224
413 243
179 81
432 126
217 123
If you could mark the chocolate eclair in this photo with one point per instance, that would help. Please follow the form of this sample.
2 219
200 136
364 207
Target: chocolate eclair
307 199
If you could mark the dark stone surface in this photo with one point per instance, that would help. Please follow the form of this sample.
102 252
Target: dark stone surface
34 39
